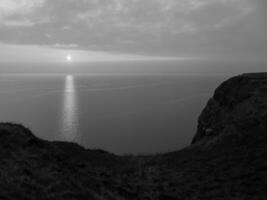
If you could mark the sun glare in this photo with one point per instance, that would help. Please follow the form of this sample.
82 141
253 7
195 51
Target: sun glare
69 58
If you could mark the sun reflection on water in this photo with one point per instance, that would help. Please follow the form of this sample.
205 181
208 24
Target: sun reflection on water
69 115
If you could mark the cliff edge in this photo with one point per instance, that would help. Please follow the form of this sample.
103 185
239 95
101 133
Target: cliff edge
238 107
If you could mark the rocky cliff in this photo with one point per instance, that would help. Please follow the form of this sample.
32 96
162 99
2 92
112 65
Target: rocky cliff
238 107
227 160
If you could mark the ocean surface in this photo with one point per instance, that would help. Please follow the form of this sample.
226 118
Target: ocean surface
120 113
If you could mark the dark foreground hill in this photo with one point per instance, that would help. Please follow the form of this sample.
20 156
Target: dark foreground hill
227 158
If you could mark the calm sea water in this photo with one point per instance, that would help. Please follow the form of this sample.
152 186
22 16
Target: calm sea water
119 113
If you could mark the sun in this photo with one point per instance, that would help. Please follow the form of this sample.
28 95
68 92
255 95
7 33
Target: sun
69 58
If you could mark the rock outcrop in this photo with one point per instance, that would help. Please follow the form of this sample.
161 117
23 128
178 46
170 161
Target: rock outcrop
227 160
238 107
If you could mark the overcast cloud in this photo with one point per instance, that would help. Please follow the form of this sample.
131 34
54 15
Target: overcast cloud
176 28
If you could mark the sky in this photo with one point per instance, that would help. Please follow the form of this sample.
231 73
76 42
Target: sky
115 30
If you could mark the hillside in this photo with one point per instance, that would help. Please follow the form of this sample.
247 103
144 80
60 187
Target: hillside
226 160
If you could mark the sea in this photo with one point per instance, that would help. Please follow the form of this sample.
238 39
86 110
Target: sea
123 112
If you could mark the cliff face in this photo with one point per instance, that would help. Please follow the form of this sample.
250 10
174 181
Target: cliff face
228 158
238 107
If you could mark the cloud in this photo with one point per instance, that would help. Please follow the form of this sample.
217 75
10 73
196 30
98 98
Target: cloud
19 22
147 27
64 46
18 13
13 7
